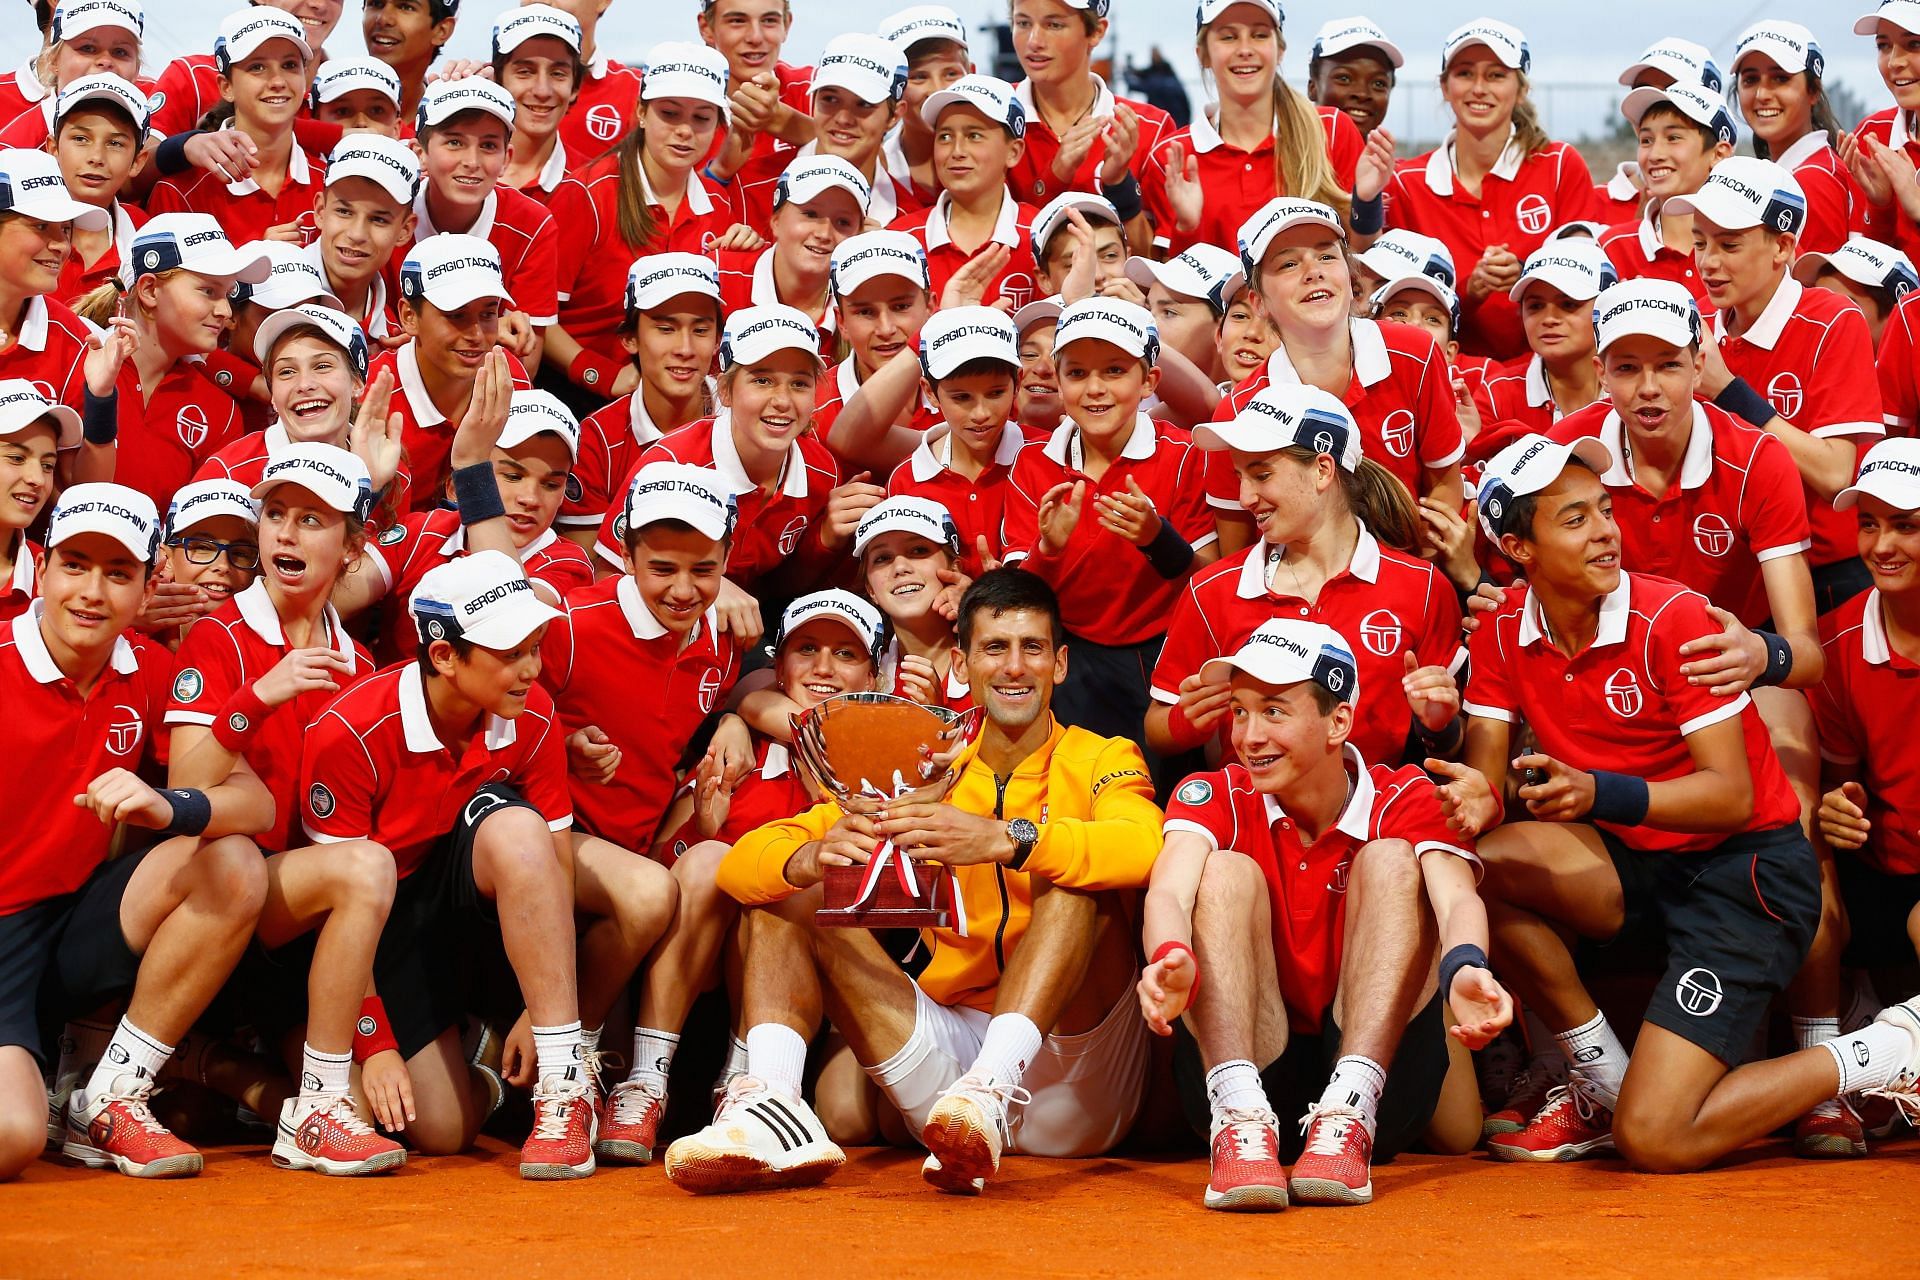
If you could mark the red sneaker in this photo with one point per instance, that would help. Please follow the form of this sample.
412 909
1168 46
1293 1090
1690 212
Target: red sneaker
1524 1099
1335 1167
1574 1123
630 1122
329 1136
1243 1170
561 1144
1831 1131
116 1130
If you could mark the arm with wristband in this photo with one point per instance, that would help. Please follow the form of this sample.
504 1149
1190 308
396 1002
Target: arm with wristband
475 490
383 1072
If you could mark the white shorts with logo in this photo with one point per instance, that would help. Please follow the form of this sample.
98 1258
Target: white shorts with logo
1086 1088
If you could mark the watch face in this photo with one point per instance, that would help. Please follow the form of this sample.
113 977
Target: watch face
1023 831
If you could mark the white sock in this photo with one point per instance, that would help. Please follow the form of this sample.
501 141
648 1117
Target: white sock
1871 1056
590 1039
130 1052
1357 1083
323 1074
777 1054
1808 1032
559 1053
1235 1086
1595 1054
653 1055
1011 1043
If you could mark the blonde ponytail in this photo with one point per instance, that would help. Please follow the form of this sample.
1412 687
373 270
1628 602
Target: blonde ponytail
98 306
1528 135
1383 504
1302 167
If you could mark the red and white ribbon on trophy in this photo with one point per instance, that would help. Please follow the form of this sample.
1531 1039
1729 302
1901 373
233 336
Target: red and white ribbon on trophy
902 865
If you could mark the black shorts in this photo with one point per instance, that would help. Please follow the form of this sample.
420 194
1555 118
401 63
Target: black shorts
65 957
1296 1079
1878 905
1736 922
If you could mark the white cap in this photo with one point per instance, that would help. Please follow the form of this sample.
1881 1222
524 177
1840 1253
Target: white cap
450 270
239 34
754 333
209 500
1098 8
923 22
531 412
77 17
22 405
1904 14
339 76
445 99
676 69
659 277
954 336
923 516
699 496
1697 103
1863 261
106 87
31 184
873 254
517 26
125 515
1889 472
1204 272
1398 252
1125 324
1053 215
1578 268
1790 46
1438 290
1685 61
1283 415
867 65
1576 228
335 326
1660 309
1207 10
1528 465
810 177
1285 651
1505 41
292 277
1342 34
192 242
993 98
1039 311
483 598
387 162
330 473
1744 192
849 610
1258 233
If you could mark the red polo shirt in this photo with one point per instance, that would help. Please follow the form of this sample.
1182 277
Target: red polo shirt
1836 209
245 461
1735 505
1898 364
1383 602
22 584
1109 594
775 791
1033 179
1865 702
426 434
1238 183
186 422
1307 883
1517 395
49 349
611 438
603 111
244 209
1887 223
750 194
1638 253
1520 201
1017 281
1618 198
527 238
978 506
1622 704
839 387
593 660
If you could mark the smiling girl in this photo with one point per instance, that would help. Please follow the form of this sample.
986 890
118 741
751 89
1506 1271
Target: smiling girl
817 203
88 38
1778 69
1882 152
32 430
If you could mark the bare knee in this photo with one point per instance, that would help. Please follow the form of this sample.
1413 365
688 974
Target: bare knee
23 1136
230 879
517 849
1226 880
441 1131
1385 868
1657 1143
363 876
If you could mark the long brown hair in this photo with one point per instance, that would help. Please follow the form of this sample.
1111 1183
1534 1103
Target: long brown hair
1823 116
634 216
1374 495
1302 168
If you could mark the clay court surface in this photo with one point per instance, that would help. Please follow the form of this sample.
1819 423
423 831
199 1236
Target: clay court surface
1766 1214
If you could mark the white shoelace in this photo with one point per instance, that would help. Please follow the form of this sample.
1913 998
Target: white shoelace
994 1097
1327 1129
629 1100
1253 1133
1903 1091
1585 1101
340 1110
551 1112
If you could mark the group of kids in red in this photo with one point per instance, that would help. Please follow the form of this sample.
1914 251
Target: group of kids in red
1399 590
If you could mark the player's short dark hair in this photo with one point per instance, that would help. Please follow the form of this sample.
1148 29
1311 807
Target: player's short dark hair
1708 138
1520 512
1000 591
462 647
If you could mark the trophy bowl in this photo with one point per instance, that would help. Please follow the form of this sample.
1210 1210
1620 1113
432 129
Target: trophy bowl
869 750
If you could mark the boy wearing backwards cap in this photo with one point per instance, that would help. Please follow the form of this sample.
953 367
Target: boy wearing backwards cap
1875 277
100 139
1353 67
934 40
1694 839
1681 133
1794 361
408 35
1321 969
363 217
78 928
360 95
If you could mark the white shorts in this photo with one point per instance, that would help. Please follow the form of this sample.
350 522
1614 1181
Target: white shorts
1086 1088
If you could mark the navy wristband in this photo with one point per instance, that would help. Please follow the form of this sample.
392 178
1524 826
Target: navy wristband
477 494
1368 217
170 157
1779 659
1742 401
1124 196
1168 553
1457 958
100 417
192 811
1619 798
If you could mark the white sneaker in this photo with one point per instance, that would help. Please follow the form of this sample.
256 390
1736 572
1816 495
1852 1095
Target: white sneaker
329 1135
966 1131
1903 1091
758 1140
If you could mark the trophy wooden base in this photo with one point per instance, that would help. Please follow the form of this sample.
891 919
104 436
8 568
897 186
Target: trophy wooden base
889 906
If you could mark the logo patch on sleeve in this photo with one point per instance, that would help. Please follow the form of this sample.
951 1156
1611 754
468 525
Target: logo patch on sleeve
188 685
320 800
1194 791
392 534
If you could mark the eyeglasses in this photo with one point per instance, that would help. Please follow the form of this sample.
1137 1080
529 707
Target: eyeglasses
244 556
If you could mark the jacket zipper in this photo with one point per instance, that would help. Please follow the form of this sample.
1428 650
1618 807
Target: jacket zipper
1000 876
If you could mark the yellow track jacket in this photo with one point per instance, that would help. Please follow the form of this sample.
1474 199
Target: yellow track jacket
1099 829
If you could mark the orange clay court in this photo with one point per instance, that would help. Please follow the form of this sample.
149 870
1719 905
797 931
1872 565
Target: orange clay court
1763 1213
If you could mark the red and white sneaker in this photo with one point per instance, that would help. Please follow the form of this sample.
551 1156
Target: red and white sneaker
1831 1131
1335 1168
1526 1097
1903 1091
1243 1168
561 1144
116 1130
965 1133
329 1136
1573 1124
630 1122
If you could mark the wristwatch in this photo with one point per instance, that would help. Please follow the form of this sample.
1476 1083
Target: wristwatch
1024 836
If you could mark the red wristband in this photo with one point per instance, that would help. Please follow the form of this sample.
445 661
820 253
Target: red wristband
371 1034
1170 945
240 719
592 371
1180 729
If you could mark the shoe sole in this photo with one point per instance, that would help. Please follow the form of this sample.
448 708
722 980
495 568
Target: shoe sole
965 1154
704 1171
1329 1191
181 1166
622 1151
385 1162
1248 1199
1493 1127
556 1172
1551 1155
1829 1146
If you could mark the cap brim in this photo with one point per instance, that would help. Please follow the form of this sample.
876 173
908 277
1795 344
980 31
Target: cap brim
1215 436
1592 451
937 102
1038 311
1479 43
115 529
1220 670
64 208
1900 493
1808 265
67 432
828 615
232 264
1420 284
684 86
510 626
1717 205
275 302
1579 288
456 294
